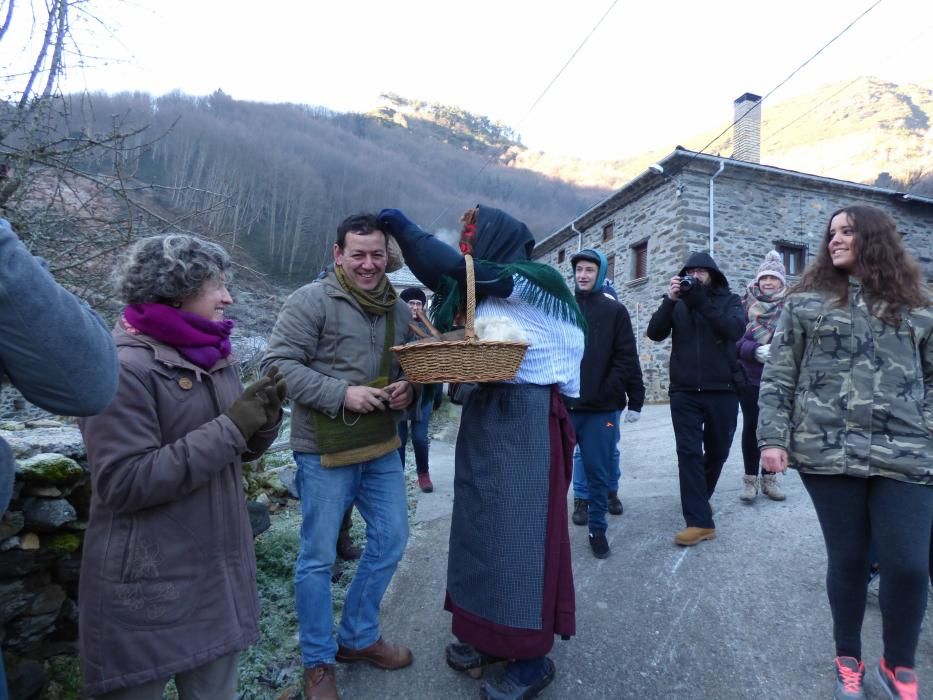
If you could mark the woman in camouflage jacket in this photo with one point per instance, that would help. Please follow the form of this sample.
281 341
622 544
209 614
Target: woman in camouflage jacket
847 400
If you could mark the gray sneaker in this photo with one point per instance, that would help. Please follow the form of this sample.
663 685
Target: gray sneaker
850 677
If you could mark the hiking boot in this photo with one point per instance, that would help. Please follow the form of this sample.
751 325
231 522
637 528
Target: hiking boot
346 550
770 488
380 653
690 536
580 511
320 683
599 544
424 482
899 684
749 489
850 675
466 658
507 687
614 505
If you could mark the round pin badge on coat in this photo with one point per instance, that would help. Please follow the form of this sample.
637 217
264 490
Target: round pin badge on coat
185 383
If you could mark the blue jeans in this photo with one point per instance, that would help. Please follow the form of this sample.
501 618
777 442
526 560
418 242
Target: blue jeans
596 434
377 488
581 489
419 438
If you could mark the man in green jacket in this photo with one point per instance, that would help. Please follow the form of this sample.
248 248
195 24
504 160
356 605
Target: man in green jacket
332 342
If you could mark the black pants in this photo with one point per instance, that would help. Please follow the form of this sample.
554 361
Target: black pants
897 516
751 455
704 424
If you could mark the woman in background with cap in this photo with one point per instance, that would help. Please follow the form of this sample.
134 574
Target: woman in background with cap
763 303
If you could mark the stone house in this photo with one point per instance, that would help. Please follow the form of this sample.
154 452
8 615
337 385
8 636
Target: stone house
734 208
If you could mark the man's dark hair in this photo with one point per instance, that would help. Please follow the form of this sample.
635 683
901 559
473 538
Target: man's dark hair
360 224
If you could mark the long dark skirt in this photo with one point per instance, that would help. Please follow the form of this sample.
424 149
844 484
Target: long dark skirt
509 577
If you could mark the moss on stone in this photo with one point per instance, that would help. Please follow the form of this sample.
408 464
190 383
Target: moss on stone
62 543
49 468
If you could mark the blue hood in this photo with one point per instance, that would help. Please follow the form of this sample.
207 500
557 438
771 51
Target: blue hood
594 256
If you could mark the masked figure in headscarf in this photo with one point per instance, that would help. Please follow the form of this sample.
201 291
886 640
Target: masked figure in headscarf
509 577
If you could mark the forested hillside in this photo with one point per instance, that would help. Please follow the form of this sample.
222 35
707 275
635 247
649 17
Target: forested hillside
276 179
273 181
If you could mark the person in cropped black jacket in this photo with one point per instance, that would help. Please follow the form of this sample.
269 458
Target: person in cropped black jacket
609 362
704 319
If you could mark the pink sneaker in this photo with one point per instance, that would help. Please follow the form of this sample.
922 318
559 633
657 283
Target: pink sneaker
850 673
901 683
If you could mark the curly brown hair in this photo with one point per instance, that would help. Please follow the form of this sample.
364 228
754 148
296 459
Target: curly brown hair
889 274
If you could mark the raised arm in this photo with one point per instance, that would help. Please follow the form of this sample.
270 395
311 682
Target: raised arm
53 347
132 474
430 259
728 323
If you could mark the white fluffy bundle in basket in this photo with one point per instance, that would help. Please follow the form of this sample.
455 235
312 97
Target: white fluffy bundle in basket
499 328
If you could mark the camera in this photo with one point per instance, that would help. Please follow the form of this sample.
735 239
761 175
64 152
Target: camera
687 283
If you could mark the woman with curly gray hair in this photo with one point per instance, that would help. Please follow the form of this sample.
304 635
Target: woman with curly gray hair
168 575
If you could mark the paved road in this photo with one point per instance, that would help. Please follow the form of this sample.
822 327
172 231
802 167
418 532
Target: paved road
743 616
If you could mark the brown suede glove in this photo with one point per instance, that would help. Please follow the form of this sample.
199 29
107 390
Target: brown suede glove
250 412
276 396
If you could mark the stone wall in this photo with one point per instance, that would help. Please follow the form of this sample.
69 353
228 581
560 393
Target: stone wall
40 543
754 210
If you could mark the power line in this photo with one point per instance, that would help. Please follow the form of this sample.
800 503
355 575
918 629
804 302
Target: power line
784 82
540 97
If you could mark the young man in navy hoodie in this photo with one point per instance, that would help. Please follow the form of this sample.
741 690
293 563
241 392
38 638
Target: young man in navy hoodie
609 360
704 319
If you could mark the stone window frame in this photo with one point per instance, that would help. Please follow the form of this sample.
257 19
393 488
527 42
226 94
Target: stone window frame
561 255
794 255
634 248
608 231
611 267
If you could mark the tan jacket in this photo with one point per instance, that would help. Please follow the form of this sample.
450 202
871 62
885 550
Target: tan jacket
168 574
324 342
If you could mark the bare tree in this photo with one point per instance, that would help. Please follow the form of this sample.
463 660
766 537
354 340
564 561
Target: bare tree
67 174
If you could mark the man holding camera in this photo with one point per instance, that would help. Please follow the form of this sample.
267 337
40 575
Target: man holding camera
704 319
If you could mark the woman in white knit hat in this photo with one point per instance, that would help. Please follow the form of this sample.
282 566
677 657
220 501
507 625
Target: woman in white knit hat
763 304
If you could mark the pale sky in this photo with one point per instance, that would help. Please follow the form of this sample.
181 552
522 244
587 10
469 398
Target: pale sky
652 74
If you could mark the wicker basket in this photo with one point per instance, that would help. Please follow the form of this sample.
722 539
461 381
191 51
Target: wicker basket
468 360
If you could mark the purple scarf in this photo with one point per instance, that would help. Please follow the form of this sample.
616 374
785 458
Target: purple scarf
199 340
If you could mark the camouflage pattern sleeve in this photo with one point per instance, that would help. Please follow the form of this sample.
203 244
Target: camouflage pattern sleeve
779 380
926 361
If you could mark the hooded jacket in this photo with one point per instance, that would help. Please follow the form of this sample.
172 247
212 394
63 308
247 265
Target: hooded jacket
704 325
168 574
610 366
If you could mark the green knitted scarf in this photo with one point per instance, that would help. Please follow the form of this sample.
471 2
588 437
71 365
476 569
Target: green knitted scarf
349 437
546 289
376 302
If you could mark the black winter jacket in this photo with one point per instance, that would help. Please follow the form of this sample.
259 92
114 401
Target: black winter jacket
610 369
704 325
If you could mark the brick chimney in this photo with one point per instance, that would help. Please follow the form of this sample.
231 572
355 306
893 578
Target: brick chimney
746 138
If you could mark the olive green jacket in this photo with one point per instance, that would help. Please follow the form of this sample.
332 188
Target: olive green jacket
324 342
844 393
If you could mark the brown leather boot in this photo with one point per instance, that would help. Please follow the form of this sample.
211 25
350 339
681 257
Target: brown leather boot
321 683
380 653
346 550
